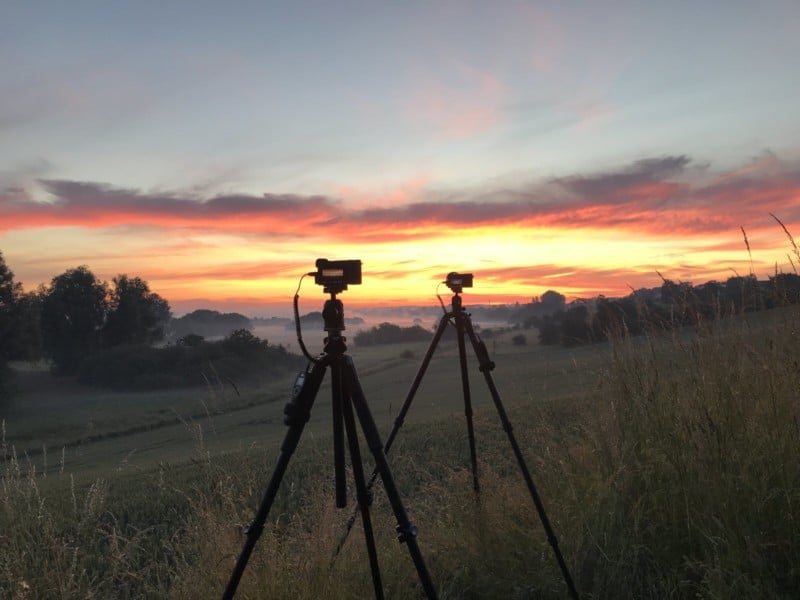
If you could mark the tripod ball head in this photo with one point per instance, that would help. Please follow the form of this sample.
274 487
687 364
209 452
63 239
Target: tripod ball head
333 315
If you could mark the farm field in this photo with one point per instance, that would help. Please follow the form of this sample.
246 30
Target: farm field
667 465
62 425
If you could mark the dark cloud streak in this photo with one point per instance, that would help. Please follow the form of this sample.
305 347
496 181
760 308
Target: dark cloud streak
656 196
614 184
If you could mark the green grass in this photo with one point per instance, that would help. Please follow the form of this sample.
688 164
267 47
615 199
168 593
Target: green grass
667 465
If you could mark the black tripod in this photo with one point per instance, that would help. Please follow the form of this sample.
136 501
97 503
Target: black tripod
346 396
463 325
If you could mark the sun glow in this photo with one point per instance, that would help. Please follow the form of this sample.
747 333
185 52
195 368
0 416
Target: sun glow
603 233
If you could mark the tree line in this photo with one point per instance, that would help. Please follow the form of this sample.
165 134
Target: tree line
389 333
106 333
75 316
674 304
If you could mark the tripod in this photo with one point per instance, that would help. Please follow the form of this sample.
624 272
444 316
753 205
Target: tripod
347 395
463 325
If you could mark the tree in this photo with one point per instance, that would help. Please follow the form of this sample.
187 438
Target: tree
575 327
29 338
10 292
616 318
135 314
549 327
209 323
553 302
741 293
74 311
243 342
786 287
389 333
519 340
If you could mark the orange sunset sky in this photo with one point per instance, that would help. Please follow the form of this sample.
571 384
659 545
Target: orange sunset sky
216 150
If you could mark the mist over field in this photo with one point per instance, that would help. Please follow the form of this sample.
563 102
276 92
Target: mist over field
283 332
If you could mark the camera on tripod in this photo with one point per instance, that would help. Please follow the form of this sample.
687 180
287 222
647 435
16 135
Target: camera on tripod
336 275
458 281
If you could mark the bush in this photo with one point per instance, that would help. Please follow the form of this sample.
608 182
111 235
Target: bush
389 333
241 356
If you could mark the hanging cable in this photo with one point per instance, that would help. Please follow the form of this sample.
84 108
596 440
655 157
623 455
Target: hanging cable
297 319
444 309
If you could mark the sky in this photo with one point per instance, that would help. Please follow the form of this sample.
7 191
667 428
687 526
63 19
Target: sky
216 150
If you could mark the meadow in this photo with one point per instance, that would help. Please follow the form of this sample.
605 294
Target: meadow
667 465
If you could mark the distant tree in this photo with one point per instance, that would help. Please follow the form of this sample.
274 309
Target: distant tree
786 288
389 333
191 340
549 327
519 339
616 318
243 342
675 293
606 322
208 323
74 311
710 298
575 326
135 314
553 302
741 293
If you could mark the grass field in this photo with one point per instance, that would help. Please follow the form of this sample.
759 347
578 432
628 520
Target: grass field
667 464
96 431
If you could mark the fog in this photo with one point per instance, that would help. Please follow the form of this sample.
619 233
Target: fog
282 330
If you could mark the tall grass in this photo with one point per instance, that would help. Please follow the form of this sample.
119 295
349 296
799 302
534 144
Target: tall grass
695 448
675 475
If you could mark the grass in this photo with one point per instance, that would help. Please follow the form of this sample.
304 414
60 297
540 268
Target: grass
667 465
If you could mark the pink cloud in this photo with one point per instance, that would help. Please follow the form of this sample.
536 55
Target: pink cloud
467 104
655 197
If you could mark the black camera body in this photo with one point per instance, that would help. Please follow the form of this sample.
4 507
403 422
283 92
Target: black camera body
458 281
336 275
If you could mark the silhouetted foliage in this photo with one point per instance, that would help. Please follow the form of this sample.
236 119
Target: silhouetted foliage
549 328
553 302
208 323
550 303
29 339
389 333
10 293
239 357
519 340
73 314
575 326
135 314
78 315
786 288
191 339
670 306
616 318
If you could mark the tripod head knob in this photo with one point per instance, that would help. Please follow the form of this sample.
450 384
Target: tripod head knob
333 314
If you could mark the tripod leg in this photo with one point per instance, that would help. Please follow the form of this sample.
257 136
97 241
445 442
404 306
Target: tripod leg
460 319
362 493
340 482
398 422
486 367
297 413
407 533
